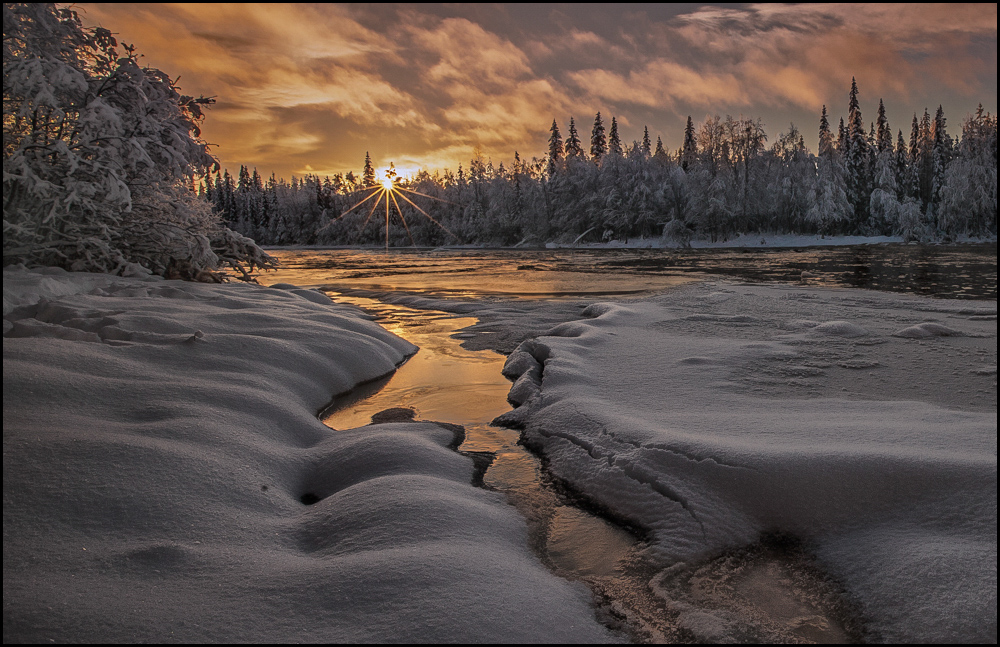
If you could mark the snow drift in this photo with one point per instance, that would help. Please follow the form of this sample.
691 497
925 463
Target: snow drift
717 413
160 449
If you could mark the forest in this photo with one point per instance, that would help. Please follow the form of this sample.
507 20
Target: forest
724 180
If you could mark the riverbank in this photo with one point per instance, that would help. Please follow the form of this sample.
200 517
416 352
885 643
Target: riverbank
849 430
166 479
856 425
761 241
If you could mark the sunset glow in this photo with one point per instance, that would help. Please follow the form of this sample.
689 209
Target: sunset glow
309 88
387 189
650 323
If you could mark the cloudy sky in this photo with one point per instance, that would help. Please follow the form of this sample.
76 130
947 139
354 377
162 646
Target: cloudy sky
310 88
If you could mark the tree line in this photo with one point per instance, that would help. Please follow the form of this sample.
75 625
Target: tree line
722 181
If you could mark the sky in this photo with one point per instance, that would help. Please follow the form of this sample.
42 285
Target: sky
311 88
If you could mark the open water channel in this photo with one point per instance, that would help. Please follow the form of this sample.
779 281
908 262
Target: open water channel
449 380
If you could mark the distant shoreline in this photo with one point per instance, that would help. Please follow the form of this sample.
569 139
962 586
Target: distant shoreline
772 241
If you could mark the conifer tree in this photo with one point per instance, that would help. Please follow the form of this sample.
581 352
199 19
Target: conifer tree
914 150
598 141
555 148
913 159
903 183
940 154
368 176
614 141
883 133
646 144
574 149
924 160
826 143
689 149
660 153
856 159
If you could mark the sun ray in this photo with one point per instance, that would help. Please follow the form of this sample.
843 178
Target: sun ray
388 189
388 192
428 216
425 195
374 207
372 195
403 218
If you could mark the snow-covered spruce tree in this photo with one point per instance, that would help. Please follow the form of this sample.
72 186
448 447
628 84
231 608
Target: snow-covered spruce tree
368 175
884 202
100 156
614 141
598 141
969 186
555 149
856 162
689 150
574 148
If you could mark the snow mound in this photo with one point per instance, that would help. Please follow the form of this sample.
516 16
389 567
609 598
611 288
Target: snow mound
840 329
711 438
927 330
166 477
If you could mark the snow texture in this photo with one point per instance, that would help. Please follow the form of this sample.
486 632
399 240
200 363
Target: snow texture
716 413
160 449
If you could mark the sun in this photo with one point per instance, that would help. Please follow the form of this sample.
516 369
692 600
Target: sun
388 188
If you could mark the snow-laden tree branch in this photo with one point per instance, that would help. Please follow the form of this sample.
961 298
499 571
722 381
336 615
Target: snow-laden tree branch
100 156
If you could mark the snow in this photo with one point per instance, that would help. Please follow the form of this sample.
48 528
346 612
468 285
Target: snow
927 329
160 440
740 240
717 413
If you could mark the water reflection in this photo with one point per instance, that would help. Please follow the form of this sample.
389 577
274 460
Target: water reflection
958 271
447 383
442 382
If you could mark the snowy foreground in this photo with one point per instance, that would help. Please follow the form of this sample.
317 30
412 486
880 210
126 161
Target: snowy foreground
158 437
862 423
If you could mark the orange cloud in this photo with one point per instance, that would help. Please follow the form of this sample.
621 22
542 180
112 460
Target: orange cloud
315 86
